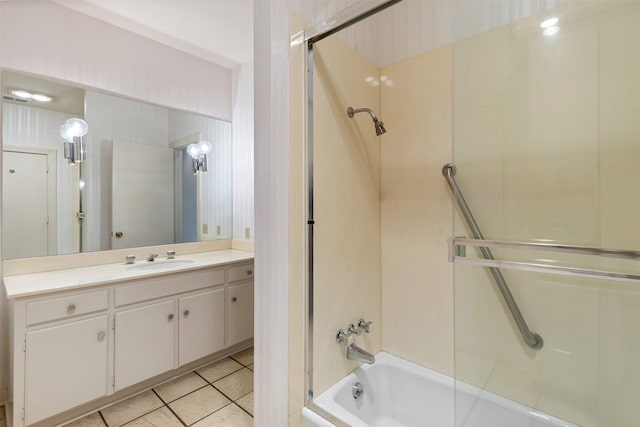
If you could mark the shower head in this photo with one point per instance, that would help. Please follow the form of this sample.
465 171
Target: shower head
377 123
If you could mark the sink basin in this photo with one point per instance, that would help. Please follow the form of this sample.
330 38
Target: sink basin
160 265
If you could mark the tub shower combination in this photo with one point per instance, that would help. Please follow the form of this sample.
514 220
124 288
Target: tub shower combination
386 390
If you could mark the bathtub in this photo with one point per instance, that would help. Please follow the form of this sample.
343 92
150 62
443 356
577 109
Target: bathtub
398 393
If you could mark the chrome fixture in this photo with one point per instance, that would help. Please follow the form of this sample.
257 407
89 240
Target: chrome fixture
343 335
357 390
131 259
353 351
152 257
377 123
171 254
72 132
359 355
532 339
198 153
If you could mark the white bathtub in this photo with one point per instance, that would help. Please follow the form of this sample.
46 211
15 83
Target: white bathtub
398 393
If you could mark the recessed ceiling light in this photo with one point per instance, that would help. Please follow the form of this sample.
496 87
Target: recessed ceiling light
21 93
549 22
41 98
28 95
551 31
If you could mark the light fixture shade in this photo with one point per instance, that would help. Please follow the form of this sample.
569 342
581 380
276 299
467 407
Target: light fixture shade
204 147
64 134
193 150
76 127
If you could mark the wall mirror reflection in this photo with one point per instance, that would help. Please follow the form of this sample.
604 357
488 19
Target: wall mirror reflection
151 175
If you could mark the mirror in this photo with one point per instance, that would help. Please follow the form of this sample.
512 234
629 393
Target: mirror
136 187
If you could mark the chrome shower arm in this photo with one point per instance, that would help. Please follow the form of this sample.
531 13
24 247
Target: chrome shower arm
352 111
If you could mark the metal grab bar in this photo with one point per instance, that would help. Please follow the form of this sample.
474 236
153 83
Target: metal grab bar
530 338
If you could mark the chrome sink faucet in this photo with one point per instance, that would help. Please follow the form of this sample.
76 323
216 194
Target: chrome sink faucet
152 257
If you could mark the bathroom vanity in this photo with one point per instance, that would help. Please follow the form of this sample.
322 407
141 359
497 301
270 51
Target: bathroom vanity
85 337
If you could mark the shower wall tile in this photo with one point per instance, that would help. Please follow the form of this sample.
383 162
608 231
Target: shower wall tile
347 208
620 128
417 298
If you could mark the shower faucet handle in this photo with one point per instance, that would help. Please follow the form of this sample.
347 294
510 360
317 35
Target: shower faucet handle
363 325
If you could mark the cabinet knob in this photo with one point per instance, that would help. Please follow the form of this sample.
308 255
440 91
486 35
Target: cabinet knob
101 336
234 299
249 272
71 309
186 313
170 317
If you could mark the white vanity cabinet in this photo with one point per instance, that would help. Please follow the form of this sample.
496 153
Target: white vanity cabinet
144 342
201 325
66 366
85 348
63 354
240 303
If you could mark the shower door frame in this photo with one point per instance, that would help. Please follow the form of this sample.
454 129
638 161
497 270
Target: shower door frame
340 21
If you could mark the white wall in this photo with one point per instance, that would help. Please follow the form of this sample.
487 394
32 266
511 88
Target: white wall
70 46
243 151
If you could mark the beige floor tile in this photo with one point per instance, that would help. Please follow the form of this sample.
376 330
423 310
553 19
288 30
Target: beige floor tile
245 356
198 404
159 418
93 420
219 369
237 384
246 402
127 410
229 416
180 386
250 366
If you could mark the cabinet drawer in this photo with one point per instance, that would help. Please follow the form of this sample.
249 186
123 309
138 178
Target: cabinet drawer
241 272
67 306
162 286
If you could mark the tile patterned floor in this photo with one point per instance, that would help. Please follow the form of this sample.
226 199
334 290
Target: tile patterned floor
217 395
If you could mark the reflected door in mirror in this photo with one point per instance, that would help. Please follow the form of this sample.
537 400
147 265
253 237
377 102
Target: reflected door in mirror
142 204
25 215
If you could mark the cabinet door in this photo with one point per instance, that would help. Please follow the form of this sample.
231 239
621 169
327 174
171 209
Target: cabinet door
240 305
66 366
201 326
144 343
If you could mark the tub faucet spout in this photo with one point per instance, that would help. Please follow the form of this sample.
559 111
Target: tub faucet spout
359 355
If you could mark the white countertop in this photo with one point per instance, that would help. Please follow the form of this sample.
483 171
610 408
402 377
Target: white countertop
76 278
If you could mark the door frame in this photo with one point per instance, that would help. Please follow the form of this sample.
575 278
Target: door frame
52 195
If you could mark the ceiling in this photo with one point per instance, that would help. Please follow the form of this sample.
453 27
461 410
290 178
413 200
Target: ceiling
220 31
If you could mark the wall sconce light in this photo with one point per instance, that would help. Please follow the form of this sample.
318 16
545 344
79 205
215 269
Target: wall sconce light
198 153
72 132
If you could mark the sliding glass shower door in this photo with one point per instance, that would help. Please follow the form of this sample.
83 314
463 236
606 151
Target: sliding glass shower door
546 120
